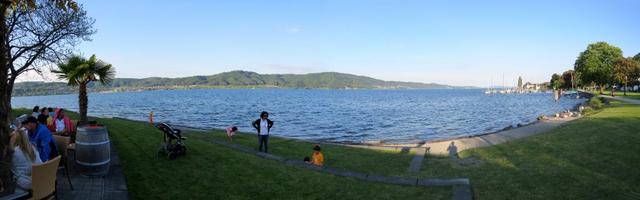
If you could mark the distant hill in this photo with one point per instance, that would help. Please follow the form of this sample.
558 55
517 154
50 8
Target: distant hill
232 79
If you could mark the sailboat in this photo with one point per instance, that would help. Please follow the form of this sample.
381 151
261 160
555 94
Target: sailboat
490 90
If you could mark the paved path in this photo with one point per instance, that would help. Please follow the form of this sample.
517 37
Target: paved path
112 186
416 163
623 99
440 147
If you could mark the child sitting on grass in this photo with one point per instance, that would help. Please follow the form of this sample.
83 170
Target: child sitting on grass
230 132
317 157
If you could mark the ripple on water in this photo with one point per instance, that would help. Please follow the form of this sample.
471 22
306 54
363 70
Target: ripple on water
329 115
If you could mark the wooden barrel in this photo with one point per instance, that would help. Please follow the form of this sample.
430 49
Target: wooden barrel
93 150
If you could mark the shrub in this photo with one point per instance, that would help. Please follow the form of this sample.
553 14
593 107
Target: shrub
587 111
595 103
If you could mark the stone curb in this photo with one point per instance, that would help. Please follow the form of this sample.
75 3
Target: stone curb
443 182
344 173
462 192
393 180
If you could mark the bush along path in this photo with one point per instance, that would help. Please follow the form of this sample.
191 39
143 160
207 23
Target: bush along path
462 187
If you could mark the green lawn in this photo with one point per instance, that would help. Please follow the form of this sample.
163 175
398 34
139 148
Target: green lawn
386 162
592 158
214 172
595 157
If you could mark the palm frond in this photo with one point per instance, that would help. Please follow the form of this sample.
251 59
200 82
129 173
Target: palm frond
77 70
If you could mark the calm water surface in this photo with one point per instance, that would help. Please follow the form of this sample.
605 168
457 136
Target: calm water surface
329 115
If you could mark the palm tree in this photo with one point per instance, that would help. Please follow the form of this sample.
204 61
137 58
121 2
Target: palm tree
80 72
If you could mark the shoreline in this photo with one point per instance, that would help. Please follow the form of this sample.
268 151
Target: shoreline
434 147
434 144
257 87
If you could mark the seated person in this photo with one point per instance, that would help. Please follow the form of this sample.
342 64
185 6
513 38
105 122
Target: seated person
24 155
40 136
317 157
36 111
62 125
52 115
46 112
42 119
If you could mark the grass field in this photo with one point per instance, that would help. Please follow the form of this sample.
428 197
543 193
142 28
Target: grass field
592 158
214 172
386 162
595 157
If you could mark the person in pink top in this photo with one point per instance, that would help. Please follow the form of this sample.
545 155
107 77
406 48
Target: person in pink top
231 130
62 124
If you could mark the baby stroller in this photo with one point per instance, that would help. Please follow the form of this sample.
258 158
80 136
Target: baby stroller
173 142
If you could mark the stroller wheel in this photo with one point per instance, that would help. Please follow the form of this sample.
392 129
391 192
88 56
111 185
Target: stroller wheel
181 150
172 155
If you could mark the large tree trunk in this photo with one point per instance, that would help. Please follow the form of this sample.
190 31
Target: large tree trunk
6 87
83 103
625 88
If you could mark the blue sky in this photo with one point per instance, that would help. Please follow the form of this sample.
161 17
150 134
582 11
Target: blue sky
450 42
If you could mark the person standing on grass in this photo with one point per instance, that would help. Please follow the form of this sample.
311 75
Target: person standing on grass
263 126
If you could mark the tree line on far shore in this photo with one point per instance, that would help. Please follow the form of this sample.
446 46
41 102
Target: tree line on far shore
601 66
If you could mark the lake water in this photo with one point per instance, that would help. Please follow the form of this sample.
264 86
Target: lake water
394 116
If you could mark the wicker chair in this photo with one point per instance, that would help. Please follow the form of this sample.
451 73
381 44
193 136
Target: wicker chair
63 144
43 179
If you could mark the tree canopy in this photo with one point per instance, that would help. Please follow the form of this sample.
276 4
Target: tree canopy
30 33
79 71
44 35
568 81
556 81
596 63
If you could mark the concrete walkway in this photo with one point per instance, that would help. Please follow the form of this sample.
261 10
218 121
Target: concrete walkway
112 186
440 147
416 162
623 99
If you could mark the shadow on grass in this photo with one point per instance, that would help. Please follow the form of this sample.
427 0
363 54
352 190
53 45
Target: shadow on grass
591 158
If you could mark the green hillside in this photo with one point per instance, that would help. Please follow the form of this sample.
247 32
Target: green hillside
328 80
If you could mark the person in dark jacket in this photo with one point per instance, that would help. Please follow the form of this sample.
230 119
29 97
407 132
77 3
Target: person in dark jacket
263 126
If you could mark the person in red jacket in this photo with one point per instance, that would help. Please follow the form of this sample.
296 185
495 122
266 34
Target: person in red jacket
62 124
